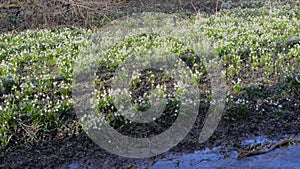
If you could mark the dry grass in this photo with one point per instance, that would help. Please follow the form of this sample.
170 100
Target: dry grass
17 15
20 14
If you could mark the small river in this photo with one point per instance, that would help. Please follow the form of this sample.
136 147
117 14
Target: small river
280 158
283 158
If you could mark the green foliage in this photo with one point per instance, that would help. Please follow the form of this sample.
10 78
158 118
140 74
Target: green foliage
36 76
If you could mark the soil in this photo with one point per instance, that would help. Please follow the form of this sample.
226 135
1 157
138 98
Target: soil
262 115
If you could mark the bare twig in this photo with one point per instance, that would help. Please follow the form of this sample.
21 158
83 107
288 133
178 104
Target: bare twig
194 7
242 154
